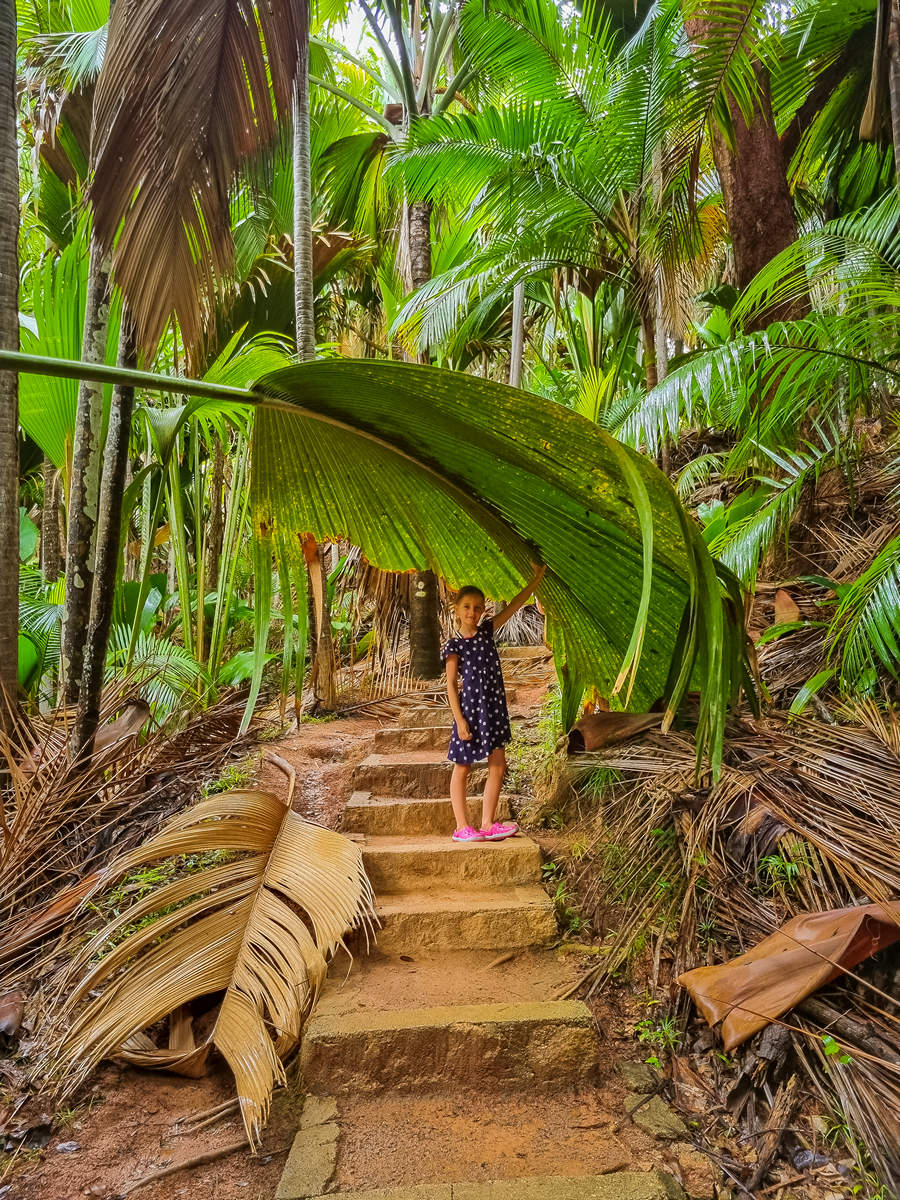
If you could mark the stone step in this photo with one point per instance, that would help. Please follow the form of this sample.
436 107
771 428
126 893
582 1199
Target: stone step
396 864
548 1045
417 715
618 1185
383 982
420 737
503 919
422 715
418 773
382 816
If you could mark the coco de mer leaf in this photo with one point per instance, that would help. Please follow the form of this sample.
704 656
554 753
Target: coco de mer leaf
422 467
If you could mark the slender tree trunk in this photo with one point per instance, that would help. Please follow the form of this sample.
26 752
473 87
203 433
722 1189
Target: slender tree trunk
9 384
305 319
517 343
757 199
109 527
216 517
84 489
50 556
662 367
424 617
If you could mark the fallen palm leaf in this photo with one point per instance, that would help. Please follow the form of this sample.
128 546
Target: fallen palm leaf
259 927
750 991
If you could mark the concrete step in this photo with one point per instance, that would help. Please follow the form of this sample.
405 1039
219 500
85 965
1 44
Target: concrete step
422 737
618 1185
549 1044
503 919
382 816
401 863
419 773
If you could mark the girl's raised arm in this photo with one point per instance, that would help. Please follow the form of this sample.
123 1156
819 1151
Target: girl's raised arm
523 597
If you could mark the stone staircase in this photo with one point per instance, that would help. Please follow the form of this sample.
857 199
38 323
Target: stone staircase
428 1014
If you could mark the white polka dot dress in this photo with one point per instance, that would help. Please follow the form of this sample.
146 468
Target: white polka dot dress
482 696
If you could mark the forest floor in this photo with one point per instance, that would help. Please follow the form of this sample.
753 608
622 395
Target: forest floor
125 1126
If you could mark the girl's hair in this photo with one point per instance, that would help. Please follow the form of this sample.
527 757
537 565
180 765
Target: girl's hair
469 590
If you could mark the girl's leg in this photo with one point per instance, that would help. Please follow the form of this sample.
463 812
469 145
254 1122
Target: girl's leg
496 771
458 781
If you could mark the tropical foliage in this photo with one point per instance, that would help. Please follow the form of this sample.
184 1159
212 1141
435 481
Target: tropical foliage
701 439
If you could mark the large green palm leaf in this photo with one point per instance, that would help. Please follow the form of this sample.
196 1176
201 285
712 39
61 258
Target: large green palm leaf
422 467
427 468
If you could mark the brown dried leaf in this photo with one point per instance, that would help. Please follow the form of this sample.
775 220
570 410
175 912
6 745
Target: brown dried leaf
786 611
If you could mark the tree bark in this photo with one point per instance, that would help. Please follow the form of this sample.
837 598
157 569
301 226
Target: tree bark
893 42
757 199
9 384
50 556
424 618
109 527
305 321
84 489
517 341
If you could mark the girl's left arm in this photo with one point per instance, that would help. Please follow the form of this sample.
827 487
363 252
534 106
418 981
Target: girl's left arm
523 597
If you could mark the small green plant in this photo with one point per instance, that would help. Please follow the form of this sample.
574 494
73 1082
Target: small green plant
325 719
780 873
834 1050
233 778
662 1034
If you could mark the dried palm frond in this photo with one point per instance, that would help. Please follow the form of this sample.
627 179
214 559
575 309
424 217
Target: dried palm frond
805 817
188 92
259 926
59 822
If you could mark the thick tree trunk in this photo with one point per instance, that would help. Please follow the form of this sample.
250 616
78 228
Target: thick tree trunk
893 42
109 527
754 189
424 617
50 556
9 387
517 341
84 490
305 319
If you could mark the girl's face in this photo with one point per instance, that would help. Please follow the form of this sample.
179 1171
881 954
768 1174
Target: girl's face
469 611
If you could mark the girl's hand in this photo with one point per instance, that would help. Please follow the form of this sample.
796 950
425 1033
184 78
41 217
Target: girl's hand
540 570
465 733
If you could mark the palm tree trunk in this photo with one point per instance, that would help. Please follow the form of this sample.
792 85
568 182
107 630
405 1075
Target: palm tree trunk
893 41
757 199
424 622
109 526
305 320
84 489
50 556
9 386
517 342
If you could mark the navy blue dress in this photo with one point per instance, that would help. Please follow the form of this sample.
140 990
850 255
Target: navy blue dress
482 695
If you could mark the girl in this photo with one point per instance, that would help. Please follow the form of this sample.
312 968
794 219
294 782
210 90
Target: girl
478 702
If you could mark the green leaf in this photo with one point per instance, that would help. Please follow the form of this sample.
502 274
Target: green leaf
811 688
29 536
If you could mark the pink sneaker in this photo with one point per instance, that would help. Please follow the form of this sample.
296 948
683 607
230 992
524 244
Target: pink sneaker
468 834
498 831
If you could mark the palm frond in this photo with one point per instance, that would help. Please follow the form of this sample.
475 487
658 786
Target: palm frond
188 92
236 926
866 625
